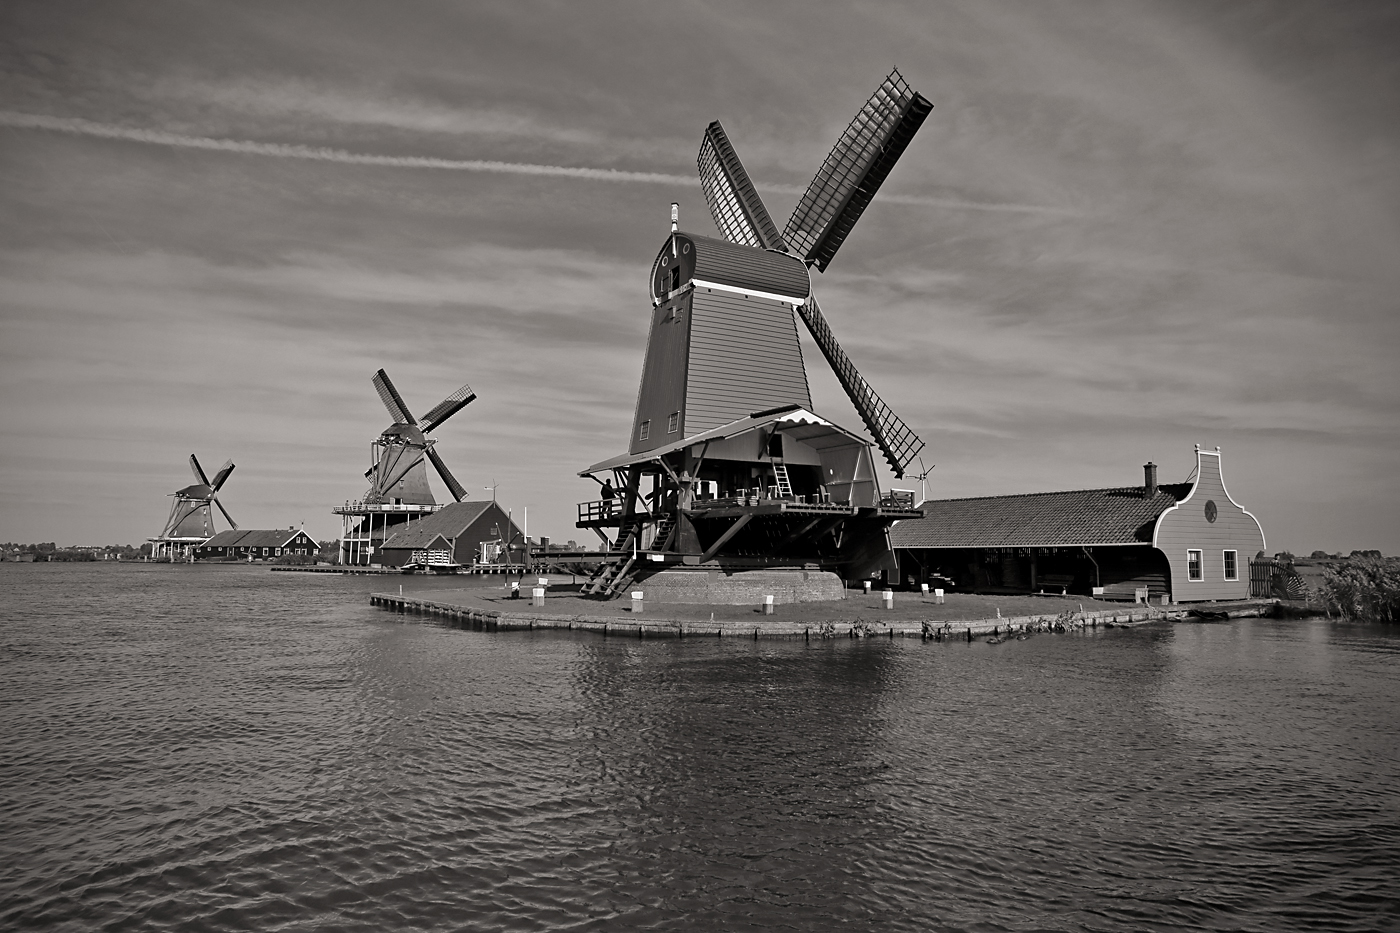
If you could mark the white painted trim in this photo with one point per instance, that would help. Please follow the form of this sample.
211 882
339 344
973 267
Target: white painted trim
1157 528
785 299
1246 511
1223 565
1200 562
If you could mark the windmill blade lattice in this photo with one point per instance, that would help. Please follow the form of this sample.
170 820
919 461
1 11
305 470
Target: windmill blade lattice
458 492
198 471
221 477
391 399
854 170
738 211
227 517
897 441
447 408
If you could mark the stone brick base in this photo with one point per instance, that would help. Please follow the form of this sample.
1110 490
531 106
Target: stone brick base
716 587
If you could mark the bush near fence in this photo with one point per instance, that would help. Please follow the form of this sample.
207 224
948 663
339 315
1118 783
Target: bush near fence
1363 589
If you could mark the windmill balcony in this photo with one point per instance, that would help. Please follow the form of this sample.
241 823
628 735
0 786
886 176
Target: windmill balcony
361 507
605 513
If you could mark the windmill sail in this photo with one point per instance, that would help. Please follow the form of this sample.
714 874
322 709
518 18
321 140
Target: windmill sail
198 471
453 486
227 516
447 408
854 170
734 203
897 441
391 399
222 476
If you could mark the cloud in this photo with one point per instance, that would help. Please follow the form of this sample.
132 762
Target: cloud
81 127
302 99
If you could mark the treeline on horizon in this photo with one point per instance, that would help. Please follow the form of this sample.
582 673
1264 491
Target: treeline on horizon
48 551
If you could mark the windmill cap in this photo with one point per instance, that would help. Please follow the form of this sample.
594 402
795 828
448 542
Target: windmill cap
711 261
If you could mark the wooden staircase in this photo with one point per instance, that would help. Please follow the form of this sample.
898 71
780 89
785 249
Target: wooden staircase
619 570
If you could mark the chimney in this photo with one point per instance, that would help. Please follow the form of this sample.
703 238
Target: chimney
1149 479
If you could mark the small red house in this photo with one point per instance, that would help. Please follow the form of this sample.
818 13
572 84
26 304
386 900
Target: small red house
257 545
455 534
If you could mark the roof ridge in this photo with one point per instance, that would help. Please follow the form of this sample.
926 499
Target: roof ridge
1057 492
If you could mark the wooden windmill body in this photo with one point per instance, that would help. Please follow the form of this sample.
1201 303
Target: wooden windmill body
742 473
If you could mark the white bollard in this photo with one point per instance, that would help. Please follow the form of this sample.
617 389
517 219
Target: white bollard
542 581
938 595
887 598
637 600
537 596
924 588
867 586
768 605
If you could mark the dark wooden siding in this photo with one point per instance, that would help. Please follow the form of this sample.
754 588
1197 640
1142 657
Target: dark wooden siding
1186 527
748 267
744 357
663 375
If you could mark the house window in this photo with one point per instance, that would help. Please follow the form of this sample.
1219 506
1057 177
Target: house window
1231 567
644 431
673 423
1193 565
279 552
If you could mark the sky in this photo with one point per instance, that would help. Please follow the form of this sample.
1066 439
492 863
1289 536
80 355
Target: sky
1125 229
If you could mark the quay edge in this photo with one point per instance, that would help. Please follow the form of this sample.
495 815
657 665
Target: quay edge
497 621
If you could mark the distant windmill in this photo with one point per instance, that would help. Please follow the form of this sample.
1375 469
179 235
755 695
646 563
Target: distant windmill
398 472
191 520
398 475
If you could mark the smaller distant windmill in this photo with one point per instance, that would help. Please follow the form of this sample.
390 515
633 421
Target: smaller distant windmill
191 520
398 474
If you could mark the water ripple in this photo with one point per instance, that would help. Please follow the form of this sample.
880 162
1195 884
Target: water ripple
222 748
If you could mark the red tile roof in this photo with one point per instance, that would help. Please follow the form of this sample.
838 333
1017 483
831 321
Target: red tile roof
449 522
1045 519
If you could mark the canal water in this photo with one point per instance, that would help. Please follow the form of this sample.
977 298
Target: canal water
226 748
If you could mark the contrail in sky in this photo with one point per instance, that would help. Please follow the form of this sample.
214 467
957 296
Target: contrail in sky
81 127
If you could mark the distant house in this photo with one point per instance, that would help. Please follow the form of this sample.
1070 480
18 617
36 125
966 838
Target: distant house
242 545
461 533
1188 541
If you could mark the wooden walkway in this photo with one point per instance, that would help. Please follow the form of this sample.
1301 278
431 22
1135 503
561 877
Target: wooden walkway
493 620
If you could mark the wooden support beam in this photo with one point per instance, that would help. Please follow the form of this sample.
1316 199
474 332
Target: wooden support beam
723 539
804 529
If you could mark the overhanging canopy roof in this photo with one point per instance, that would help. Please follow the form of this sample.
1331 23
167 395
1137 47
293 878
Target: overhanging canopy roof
812 430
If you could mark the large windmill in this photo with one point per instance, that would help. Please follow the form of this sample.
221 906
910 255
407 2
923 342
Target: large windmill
743 474
398 475
191 520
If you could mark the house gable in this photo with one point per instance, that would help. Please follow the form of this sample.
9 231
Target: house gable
1208 520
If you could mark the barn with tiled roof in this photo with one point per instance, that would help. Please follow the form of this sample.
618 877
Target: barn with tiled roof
1186 541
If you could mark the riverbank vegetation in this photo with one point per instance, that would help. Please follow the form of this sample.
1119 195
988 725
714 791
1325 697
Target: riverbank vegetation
1363 589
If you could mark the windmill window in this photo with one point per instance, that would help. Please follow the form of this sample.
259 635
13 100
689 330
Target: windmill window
675 278
1232 571
673 423
1193 565
644 431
